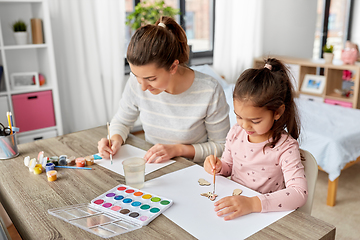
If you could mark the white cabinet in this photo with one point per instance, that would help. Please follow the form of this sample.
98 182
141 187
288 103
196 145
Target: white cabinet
4 108
24 59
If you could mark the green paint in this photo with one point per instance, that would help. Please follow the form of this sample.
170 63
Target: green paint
154 210
145 206
156 199
165 202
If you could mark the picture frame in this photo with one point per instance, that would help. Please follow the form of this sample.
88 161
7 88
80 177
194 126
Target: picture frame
313 84
25 80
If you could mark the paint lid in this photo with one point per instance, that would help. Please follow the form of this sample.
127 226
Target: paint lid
70 159
54 158
51 173
80 160
27 161
40 156
89 158
32 164
43 161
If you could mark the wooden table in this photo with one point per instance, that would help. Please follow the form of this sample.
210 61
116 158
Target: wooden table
27 197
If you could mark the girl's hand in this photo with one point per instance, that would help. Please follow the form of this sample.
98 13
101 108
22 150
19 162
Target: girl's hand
161 153
236 206
211 163
104 149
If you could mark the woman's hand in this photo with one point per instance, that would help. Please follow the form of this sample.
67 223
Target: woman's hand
211 162
104 149
161 153
236 206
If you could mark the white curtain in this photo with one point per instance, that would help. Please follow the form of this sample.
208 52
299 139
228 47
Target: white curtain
238 28
89 53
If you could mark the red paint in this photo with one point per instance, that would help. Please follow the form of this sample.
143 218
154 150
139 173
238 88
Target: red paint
99 201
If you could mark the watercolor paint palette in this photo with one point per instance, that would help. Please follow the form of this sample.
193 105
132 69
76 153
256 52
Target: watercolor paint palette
119 210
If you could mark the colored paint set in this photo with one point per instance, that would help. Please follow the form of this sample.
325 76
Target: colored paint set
119 210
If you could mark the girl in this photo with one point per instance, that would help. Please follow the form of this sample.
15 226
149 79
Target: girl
183 112
261 151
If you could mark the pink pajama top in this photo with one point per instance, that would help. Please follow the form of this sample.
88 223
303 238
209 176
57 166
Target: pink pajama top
277 173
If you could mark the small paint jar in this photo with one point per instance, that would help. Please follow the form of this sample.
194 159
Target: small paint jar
54 160
70 161
51 175
49 166
89 160
80 162
62 160
38 169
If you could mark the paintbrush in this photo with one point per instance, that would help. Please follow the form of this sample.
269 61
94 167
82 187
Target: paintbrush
214 169
108 128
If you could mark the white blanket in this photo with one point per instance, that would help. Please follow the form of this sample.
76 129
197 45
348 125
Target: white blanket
330 133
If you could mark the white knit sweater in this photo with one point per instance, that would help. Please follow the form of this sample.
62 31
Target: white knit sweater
198 116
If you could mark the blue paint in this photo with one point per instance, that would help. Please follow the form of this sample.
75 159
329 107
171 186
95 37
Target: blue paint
136 204
127 200
119 197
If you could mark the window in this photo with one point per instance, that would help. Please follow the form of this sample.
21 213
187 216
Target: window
333 26
197 18
199 25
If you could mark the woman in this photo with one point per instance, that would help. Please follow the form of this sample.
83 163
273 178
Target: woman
183 112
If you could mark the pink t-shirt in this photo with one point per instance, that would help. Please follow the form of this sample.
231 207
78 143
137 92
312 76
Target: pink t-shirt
277 173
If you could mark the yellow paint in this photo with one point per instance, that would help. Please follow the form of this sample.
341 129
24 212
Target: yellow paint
51 175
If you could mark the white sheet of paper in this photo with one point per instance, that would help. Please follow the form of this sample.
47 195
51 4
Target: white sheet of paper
195 213
128 151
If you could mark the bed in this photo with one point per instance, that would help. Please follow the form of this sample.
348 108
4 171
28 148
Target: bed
330 133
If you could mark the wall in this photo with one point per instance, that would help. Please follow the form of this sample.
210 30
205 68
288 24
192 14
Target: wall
289 28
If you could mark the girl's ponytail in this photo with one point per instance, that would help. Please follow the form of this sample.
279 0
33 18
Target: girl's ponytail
271 87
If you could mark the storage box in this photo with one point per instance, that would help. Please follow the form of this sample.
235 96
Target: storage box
25 138
337 102
33 110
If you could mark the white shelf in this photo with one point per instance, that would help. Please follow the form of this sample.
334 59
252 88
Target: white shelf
26 58
332 73
28 46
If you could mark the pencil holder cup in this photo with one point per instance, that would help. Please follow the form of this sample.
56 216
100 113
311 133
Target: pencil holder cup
8 147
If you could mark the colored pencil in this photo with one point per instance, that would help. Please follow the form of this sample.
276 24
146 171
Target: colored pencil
9 122
86 168
108 128
8 114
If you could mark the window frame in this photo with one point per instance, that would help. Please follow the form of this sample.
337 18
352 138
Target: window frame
197 58
325 23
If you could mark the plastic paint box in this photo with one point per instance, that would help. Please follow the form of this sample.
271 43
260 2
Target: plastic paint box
119 210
